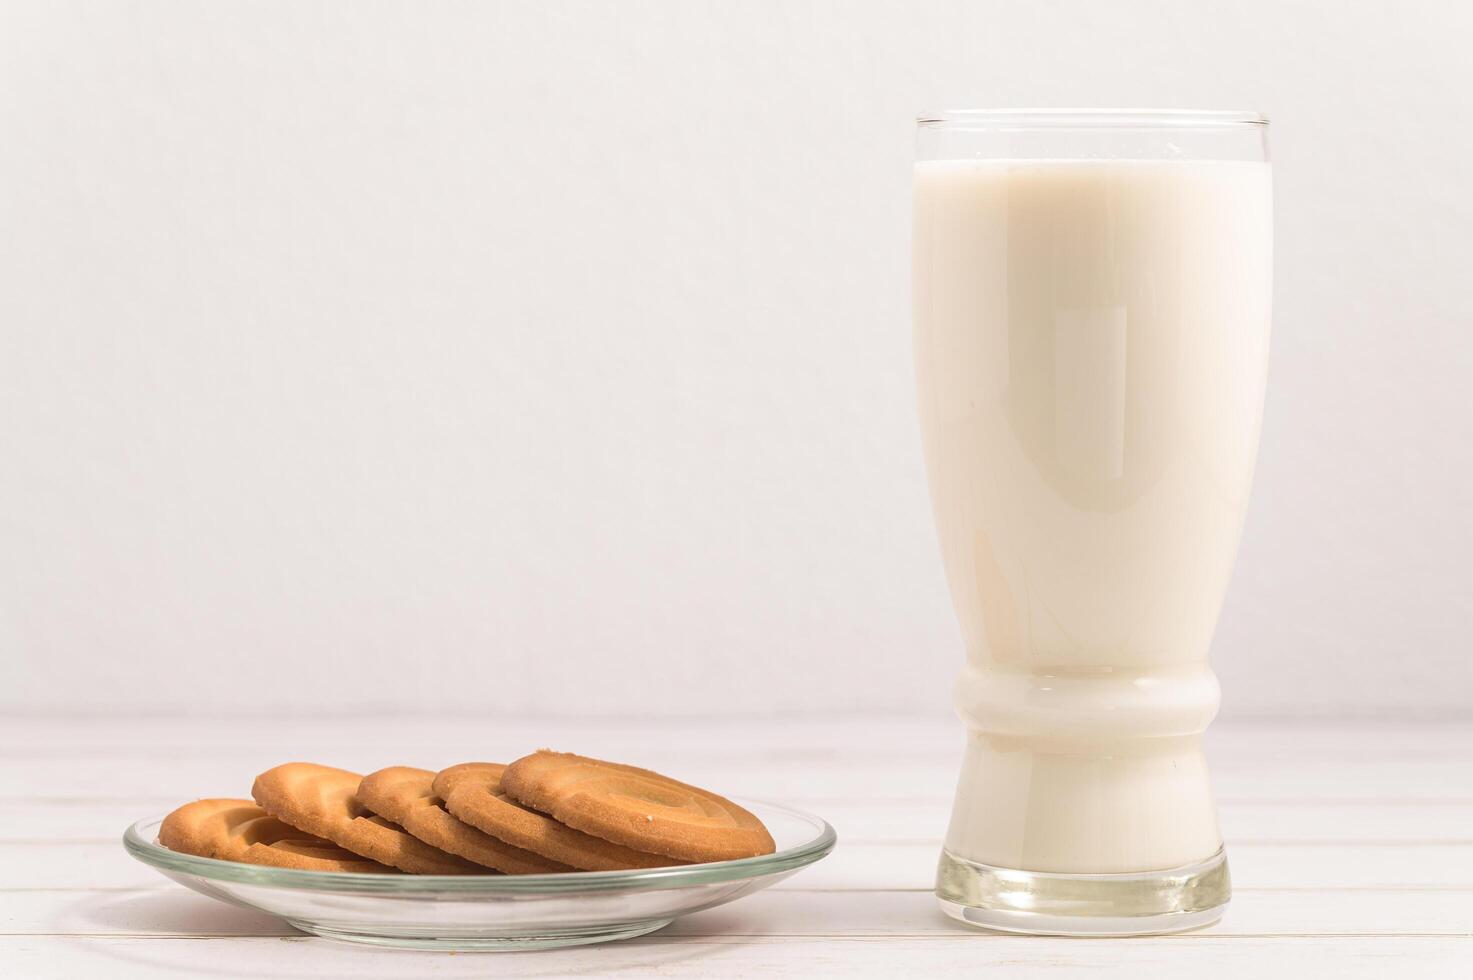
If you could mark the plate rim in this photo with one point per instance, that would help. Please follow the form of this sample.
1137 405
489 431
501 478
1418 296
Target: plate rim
143 848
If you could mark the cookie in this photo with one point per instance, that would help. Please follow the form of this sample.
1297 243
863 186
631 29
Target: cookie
472 792
321 801
635 807
406 796
238 830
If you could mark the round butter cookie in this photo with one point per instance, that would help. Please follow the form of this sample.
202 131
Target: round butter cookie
635 807
406 796
321 801
238 830
472 792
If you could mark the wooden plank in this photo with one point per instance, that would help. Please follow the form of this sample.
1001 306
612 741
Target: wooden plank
1338 821
704 958
169 910
191 777
878 821
879 740
869 866
1253 866
166 910
1350 849
1242 823
811 784
890 739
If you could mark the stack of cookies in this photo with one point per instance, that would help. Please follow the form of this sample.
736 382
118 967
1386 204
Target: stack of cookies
546 813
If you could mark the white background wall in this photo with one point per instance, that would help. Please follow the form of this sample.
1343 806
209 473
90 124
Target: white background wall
556 356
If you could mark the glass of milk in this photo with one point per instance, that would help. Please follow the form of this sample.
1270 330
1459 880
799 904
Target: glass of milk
1092 293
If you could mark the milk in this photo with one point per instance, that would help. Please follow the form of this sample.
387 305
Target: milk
1091 340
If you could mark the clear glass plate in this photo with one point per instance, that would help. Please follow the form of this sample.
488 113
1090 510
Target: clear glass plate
494 911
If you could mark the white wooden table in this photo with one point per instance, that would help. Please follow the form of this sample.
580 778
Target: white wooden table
1351 850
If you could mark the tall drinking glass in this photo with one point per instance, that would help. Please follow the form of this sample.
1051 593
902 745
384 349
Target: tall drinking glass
1092 305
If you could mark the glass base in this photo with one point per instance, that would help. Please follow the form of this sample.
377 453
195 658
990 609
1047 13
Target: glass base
551 939
1047 904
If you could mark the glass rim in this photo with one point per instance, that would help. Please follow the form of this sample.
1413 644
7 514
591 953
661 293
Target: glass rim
139 841
1023 120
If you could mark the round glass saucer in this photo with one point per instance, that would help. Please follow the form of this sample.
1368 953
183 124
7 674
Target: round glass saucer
491 912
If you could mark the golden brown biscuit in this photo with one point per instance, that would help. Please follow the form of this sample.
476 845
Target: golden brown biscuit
636 807
472 792
467 772
321 801
406 796
238 830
